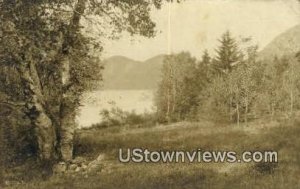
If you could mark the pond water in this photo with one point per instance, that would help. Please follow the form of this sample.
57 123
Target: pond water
93 103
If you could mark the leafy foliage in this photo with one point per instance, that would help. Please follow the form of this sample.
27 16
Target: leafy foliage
233 86
177 93
118 117
49 58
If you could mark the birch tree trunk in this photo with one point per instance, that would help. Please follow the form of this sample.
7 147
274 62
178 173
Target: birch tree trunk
45 132
67 114
246 110
230 109
237 108
68 109
67 129
44 129
238 114
168 105
169 91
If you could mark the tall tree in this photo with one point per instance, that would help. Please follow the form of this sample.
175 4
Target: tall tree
291 85
205 66
227 53
55 58
177 87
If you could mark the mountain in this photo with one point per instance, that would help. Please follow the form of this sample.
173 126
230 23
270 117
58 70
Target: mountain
287 43
124 73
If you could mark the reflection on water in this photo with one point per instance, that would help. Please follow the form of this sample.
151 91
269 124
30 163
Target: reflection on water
127 100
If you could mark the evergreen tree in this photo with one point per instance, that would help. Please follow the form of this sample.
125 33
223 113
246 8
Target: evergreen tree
205 67
206 59
227 53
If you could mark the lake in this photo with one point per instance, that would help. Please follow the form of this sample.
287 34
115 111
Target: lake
93 103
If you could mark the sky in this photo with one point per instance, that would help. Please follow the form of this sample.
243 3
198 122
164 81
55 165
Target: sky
195 25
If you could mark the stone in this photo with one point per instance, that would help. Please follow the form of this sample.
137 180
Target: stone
60 167
78 169
84 166
101 157
94 166
73 167
79 160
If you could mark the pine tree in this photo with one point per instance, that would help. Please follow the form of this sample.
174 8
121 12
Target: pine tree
205 69
206 59
227 54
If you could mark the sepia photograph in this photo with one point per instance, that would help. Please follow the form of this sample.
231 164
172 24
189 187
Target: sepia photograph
149 94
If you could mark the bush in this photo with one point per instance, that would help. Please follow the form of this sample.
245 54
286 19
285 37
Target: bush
17 142
118 117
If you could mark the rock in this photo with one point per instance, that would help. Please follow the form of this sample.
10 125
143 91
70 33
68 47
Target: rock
84 166
94 166
78 160
94 163
7 183
60 167
73 167
78 169
101 157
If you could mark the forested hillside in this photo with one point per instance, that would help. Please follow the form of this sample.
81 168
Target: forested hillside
287 43
124 73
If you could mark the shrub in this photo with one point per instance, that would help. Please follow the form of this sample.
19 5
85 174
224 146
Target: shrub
17 142
118 117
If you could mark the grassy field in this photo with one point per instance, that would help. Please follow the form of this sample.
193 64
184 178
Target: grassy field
278 136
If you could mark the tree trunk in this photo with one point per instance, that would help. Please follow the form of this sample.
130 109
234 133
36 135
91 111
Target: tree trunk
44 130
169 91
168 105
238 114
67 114
246 111
174 87
67 129
237 109
174 97
67 108
230 109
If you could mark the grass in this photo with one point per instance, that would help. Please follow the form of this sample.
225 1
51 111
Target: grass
282 137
